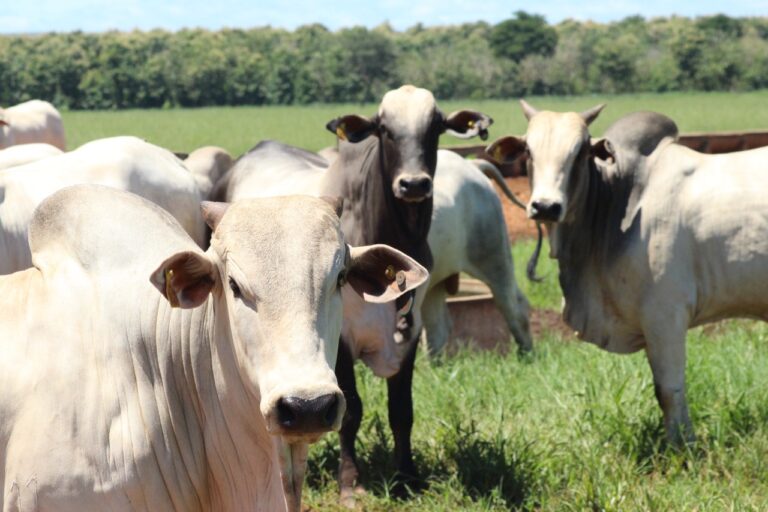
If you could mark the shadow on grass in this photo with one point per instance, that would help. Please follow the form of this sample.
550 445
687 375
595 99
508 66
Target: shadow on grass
492 466
488 467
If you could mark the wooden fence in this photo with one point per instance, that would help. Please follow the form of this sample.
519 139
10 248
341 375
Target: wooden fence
721 142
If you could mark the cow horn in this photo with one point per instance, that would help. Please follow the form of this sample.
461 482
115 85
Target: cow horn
528 110
590 115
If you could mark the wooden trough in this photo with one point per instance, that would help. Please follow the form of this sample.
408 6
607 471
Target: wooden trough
477 322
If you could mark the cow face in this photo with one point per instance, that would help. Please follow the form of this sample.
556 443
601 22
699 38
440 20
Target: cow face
408 126
276 268
280 264
553 145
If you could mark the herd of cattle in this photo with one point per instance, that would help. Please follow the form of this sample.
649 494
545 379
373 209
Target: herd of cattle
174 333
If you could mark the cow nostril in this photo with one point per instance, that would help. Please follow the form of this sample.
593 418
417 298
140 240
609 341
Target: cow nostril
286 412
420 185
329 418
544 210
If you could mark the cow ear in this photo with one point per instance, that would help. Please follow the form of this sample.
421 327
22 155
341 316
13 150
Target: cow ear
379 273
506 149
590 115
352 128
466 124
185 279
213 212
603 149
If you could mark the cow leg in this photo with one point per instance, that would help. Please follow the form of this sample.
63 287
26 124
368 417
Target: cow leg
497 272
514 306
400 405
348 472
666 355
437 321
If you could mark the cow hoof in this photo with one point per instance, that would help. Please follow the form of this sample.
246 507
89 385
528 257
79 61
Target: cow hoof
350 496
406 485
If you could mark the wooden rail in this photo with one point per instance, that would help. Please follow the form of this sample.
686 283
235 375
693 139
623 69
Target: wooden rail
721 142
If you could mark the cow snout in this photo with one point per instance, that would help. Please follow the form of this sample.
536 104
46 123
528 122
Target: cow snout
414 187
314 416
546 211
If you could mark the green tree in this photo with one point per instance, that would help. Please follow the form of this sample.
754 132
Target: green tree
525 34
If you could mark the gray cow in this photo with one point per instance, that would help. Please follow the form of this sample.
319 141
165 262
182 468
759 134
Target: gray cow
651 237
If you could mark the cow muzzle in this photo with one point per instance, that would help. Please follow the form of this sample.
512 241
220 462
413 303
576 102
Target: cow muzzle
306 418
545 210
413 188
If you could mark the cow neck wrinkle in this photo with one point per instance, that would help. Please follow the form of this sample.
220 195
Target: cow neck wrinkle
235 443
378 216
590 238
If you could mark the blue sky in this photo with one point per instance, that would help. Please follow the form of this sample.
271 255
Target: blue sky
24 16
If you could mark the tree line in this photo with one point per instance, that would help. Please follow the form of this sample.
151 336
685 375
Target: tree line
523 55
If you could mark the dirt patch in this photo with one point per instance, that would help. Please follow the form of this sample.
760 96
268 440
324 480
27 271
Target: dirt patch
518 225
548 321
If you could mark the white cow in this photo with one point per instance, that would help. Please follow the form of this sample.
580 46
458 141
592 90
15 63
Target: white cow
207 165
26 153
203 396
468 234
651 237
31 121
126 163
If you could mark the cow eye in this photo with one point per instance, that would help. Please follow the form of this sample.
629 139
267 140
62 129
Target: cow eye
235 288
386 132
342 279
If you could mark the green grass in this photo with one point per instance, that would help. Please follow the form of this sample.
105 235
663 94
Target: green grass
576 428
239 128
573 429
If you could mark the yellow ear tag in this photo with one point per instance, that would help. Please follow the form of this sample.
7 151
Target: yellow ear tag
471 123
389 273
498 154
340 133
169 293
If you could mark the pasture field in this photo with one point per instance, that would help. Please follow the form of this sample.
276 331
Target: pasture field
573 428
238 128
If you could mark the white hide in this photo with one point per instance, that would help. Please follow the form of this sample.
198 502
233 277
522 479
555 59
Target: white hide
207 165
125 163
26 153
30 122
468 234
110 399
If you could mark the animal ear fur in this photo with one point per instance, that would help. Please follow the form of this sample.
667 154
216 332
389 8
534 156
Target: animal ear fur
506 149
185 279
213 212
466 124
352 128
603 149
379 273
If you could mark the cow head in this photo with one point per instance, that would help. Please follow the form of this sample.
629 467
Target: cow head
554 144
408 126
275 269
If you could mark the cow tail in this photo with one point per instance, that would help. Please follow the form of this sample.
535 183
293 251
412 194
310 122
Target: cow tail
492 173
530 269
